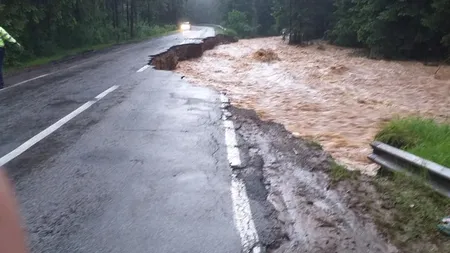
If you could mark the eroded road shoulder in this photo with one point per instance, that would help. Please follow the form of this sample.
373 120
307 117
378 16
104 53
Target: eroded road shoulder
306 212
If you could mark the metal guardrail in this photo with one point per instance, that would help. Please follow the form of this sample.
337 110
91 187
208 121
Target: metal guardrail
393 159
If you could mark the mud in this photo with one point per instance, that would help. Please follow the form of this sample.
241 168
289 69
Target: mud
324 93
169 59
315 215
266 55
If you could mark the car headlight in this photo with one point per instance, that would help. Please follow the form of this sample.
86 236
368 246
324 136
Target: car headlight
185 27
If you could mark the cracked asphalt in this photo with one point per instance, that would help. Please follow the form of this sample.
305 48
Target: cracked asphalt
142 170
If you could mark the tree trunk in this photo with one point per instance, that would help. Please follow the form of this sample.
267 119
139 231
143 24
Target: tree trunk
115 15
132 18
255 17
149 17
128 14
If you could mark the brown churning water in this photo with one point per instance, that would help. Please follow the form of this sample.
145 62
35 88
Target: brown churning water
324 94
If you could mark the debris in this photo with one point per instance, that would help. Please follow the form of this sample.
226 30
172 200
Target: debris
296 134
265 55
338 69
444 227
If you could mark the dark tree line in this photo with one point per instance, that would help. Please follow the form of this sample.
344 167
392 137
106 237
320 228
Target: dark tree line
415 29
388 28
46 26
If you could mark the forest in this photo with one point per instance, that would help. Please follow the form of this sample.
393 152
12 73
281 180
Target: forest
386 28
405 29
47 27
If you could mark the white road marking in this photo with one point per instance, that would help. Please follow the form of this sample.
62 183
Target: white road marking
74 66
46 132
42 76
233 154
224 99
106 92
243 218
143 69
32 79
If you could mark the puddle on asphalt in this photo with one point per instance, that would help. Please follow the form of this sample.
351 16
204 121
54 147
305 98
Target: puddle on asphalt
325 95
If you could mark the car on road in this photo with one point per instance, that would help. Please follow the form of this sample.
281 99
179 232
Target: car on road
185 26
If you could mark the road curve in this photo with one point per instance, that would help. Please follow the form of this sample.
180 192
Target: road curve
142 169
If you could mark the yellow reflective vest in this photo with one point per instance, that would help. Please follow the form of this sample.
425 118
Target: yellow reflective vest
5 36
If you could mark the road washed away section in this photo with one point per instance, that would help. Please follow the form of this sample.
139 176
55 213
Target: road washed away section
283 200
324 93
169 59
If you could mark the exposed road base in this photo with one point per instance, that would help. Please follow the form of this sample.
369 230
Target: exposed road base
169 59
314 215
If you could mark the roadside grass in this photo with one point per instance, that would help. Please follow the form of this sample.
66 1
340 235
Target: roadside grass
315 144
340 173
405 209
415 208
64 54
422 137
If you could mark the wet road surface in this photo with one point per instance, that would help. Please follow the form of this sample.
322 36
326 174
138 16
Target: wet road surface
131 159
144 169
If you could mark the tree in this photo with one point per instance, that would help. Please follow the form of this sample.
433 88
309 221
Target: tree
239 22
46 27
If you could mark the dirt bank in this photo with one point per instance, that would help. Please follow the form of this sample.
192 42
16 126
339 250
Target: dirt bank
326 94
316 215
169 59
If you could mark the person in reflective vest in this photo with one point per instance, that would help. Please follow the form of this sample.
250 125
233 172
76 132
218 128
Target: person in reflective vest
4 36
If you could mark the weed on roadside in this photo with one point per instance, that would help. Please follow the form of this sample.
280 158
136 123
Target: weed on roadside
404 208
422 137
415 208
340 172
415 211
314 144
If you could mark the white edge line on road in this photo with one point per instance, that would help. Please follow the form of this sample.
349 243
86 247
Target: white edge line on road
143 69
74 66
49 130
32 79
242 213
77 65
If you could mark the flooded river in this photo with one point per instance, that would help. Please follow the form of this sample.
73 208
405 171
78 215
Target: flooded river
326 94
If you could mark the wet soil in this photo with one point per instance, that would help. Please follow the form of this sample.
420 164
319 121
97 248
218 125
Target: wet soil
169 59
316 215
324 93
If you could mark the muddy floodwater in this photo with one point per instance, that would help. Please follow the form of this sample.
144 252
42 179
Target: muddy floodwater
327 94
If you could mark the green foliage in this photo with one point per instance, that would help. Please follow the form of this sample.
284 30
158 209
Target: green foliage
230 32
340 173
309 18
46 28
394 29
258 18
238 22
387 28
415 210
345 29
422 137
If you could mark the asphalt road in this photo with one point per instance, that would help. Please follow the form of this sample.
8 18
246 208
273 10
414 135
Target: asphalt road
142 170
